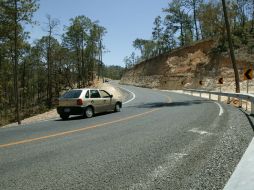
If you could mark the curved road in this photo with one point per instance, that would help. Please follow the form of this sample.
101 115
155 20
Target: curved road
160 140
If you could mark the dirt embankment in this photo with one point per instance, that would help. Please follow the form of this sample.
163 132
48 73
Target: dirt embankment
186 67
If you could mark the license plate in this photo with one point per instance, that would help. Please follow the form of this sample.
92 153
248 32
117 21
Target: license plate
67 110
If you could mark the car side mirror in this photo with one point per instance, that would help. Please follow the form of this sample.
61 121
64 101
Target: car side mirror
111 96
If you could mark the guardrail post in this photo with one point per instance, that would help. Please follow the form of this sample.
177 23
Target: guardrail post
237 97
228 101
252 108
240 103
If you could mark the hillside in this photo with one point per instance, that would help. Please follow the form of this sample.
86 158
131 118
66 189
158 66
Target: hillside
185 67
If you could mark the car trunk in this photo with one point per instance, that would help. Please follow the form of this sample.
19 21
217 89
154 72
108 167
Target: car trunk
68 102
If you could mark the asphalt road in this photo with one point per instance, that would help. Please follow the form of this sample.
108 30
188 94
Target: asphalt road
160 140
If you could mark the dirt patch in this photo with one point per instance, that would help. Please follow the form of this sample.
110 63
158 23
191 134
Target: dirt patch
188 67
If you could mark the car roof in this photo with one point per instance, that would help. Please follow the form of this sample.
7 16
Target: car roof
84 89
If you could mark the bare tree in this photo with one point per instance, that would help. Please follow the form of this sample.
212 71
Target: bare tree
231 48
194 5
16 62
51 24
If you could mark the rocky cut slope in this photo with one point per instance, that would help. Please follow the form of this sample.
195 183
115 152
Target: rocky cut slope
186 67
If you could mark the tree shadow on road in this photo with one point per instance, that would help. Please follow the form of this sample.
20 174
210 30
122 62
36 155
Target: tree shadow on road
172 104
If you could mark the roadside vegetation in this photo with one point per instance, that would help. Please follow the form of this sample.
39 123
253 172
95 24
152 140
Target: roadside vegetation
188 21
32 75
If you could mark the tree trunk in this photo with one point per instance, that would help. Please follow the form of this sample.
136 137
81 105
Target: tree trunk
252 20
201 31
16 92
82 61
23 85
243 20
49 86
231 48
79 67
100 61
181 31
195 19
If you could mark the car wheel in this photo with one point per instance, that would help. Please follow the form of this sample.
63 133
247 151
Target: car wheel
64 116
117 107
89 112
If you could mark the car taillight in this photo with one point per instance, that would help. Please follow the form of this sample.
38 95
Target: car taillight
79 102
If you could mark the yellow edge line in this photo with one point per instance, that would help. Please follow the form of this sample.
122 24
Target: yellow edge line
74 131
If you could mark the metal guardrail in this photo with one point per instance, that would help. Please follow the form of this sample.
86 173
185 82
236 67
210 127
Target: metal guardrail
240 96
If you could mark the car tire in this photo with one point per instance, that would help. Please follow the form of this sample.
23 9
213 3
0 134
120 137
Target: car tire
89 112
64 116
117 107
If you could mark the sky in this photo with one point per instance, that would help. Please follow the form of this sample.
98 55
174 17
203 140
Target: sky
125 20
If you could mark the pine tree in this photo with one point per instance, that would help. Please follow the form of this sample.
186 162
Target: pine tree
14 14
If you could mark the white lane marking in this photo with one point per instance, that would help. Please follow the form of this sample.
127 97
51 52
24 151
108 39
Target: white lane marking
180 155
221 109
195 130
133 95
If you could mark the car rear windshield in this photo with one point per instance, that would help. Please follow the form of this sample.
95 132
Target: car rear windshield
72 94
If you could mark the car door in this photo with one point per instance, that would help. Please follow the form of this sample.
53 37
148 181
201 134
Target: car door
96 101
107 100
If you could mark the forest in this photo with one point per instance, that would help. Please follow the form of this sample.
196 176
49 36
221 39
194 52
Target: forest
187 21
33 75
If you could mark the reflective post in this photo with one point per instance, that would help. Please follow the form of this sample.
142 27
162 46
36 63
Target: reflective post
219 96
247 93
228 101
240 103
252 108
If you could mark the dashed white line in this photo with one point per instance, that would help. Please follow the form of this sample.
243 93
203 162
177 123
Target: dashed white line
195 130
221 109
180 155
